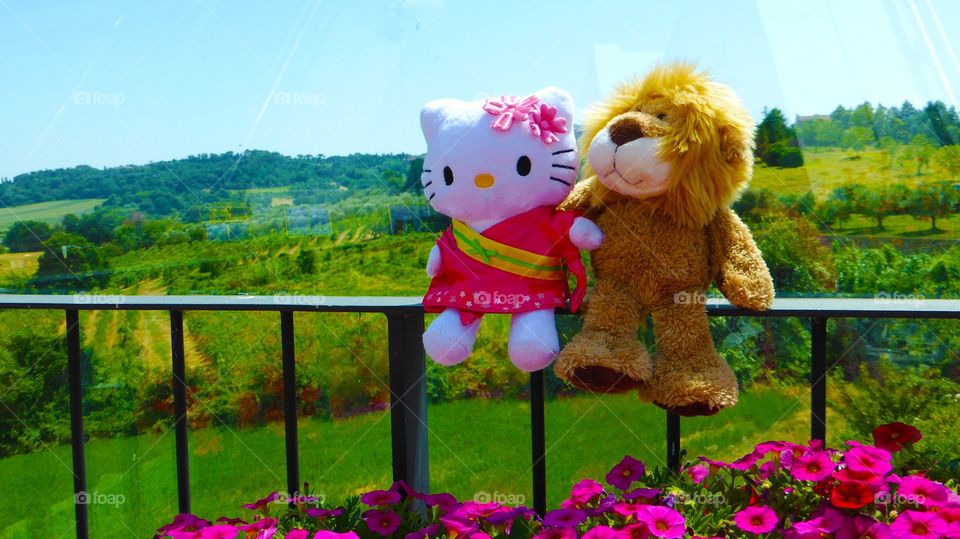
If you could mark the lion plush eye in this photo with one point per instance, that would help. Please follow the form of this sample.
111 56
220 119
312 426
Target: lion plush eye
662 117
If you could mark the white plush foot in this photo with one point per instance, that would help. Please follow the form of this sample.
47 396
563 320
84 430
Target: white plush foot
533 340
447 341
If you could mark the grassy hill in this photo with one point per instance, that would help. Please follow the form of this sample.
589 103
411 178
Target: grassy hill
48 212
488 453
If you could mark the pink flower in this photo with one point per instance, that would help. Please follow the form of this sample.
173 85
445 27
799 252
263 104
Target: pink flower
868 459
922 491
297 534
698 473
863 527
508 109
813 466
757 519
601 532
382 522
894 436
424 533
625 473
564 518
184 522
635 531
918 525
381 497
326 534
585 490
557 533
262 502
646 493
322 514
545 124
446 502
662 521
222 531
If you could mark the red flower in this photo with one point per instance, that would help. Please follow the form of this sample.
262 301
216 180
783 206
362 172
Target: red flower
894 436
851 495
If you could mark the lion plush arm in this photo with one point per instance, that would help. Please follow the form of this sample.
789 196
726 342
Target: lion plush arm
581 199
737 268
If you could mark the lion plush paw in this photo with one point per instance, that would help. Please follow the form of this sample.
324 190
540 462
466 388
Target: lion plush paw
604 363
702 392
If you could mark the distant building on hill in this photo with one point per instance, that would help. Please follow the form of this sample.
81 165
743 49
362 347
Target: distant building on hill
405 219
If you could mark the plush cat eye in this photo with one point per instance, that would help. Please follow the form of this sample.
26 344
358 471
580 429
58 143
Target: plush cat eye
523 165
447 176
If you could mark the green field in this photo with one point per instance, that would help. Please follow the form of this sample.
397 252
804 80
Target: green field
47 212
490 452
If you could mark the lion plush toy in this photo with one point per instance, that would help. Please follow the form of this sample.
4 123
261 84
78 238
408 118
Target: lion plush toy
667 155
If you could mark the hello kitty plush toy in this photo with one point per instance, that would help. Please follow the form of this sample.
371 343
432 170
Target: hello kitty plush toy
499 168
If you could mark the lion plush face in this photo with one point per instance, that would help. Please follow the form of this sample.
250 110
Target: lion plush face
676 140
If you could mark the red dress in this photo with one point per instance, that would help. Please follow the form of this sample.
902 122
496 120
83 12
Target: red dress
517 265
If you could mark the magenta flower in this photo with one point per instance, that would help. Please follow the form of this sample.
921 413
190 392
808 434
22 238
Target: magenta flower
219 531
556 533
864 527
698 473
382 522
585 490
509 109
297 534
757 519
446 502
637 530
432 530
601 532
922 491
813 466
662 521
918 525
184 522
231 521
646 493
262 502
506 515
625 473
545 123
322 514
327 534
564 518
863 458
380 497
458 525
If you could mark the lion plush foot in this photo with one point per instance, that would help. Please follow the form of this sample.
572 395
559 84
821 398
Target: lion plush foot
604 363
693 387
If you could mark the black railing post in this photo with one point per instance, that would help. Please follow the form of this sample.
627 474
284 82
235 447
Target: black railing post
673 442
81 498
818 379
290 402
180 410
539 443
408 400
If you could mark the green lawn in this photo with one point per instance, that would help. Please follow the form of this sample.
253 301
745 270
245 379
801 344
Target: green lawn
474 446
900 226
47 212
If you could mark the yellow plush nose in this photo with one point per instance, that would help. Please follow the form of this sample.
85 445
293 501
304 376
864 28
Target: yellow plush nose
483 181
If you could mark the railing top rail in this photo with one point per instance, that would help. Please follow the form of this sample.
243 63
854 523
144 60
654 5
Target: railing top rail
883 307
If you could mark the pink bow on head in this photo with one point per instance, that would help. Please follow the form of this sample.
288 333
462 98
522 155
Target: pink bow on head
509 108
545 123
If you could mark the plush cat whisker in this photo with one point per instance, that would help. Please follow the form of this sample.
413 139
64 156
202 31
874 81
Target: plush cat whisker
568 150
559 180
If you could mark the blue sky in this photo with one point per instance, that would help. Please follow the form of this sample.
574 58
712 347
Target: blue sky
112 83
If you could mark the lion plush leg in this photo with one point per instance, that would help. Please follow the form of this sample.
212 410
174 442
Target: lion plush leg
606 356
533 340
447 341
689 376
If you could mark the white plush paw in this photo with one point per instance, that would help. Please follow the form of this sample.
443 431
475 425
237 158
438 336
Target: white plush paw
585 234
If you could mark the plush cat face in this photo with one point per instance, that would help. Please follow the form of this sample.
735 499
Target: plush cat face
492 159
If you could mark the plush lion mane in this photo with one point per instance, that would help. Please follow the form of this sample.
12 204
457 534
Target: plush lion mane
709 142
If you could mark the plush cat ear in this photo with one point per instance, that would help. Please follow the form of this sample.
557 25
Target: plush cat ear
432 115
560 98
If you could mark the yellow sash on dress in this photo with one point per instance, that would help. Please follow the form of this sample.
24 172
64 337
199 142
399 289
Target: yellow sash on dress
505 257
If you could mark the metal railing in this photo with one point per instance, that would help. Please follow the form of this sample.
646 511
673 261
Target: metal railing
408 402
